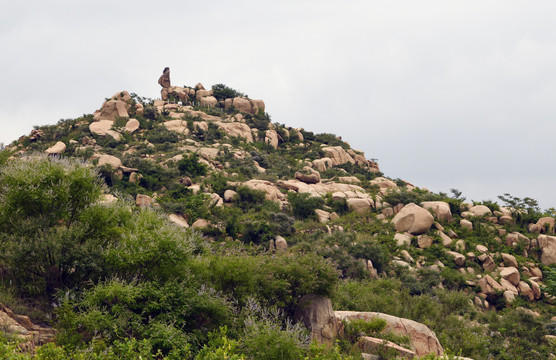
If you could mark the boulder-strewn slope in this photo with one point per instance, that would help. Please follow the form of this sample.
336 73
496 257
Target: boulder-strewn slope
218 164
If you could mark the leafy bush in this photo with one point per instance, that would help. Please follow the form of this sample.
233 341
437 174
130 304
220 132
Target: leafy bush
280 280
222 92
161 135
269 336
303 205
190 165
50 190
249 198
169 315
415 196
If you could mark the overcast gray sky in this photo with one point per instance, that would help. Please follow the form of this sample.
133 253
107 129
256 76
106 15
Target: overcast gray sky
445 94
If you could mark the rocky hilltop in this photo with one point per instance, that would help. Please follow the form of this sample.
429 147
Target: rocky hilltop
415 272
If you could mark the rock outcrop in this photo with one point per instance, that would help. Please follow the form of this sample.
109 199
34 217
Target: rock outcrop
413 219
423 341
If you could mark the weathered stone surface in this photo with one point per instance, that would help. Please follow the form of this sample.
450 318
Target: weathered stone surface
488 263
525 290
132 125
508 286
322 164
236 129
179 126
547 244
338 155
509 296
489 286
272 192
375 345
480 210
209 101
423 341
257 106
323 216
230 195
112 109
440 209
546 224
271 138
21 329
446 240
316 313
511 274
113 161
56 149
481 249
536 289
359 205
384 184
466 224
424 241
459 259
200 223
281 243
178 220
509 260
101 127
215 200
242 105
349 180
143 200
413 219
312 178
402 239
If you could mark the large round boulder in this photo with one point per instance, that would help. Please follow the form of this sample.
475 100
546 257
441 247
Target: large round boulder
440 209
413 219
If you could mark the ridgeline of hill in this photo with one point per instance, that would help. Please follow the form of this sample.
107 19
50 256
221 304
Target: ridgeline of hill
197 228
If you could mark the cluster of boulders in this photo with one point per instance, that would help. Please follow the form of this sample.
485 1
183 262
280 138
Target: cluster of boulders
21 327
326 326
415 221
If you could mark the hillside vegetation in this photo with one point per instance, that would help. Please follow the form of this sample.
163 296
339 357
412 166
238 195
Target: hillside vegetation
198 229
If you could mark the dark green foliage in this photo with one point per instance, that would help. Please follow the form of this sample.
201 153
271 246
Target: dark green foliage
223 92
269 337
161 135
339 206
551 281
524 210
61 239
279 280
330 139
249 198
184 202
257 232
191 166
154 176
259 121
170 315
282 224
303 205
415 196
49 190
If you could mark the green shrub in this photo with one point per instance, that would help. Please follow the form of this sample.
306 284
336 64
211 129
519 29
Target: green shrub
48 189
191 166
280 280
169 315
249 198
303 205
269 337
223 92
